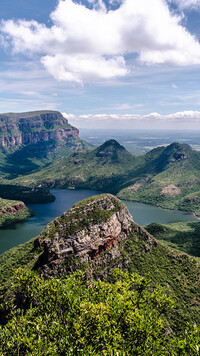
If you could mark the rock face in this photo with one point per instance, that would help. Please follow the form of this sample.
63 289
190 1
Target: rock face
34 127
12 209
85 232
90 228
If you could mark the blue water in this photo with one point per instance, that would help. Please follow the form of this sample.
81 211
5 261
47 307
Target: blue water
21 232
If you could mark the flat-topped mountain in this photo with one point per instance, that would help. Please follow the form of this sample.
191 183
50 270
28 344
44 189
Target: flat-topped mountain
33 127
166 176
33 139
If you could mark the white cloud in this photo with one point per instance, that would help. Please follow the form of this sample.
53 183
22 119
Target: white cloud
184 4
78 67
85 43
180 120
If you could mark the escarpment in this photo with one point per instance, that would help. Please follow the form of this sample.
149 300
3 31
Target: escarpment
34 127
85 232
32 140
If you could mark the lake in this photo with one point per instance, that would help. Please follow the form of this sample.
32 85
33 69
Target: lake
21 232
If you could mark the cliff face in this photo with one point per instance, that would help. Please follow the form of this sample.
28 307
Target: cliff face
86 232
34 127
29 141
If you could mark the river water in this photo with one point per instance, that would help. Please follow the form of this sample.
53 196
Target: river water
21 232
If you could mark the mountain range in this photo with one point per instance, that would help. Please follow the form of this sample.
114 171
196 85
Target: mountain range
168 177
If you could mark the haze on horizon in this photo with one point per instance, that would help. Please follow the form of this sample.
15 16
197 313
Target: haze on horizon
103 63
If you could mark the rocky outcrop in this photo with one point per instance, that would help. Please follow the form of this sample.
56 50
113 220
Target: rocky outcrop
34 127
86 231
12 209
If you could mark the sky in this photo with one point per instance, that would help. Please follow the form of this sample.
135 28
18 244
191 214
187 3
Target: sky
103 63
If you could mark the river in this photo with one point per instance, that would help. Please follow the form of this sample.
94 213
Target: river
21 232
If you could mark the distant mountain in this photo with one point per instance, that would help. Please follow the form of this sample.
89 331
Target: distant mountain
166 176
29 141
105 168
175 182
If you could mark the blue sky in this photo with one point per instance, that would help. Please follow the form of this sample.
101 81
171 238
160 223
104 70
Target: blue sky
114 63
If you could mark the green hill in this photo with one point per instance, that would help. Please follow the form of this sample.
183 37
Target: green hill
184 236
166 176
98 310
12 211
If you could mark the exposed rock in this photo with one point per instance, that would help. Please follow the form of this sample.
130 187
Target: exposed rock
12 209
86 231
171 190
34 127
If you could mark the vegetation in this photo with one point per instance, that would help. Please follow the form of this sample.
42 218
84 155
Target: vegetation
12 211
32 140
50 317
184 236
176 272
166 176
99 310
26 194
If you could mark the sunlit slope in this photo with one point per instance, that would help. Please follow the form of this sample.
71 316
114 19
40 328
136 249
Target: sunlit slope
166 176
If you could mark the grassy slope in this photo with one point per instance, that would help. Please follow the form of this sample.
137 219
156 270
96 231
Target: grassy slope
184 236
111 168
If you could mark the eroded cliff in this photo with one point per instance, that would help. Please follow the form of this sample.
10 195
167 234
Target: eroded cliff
32 140
85 232
34 127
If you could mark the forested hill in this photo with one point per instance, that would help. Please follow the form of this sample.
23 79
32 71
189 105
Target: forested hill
95 281
166 176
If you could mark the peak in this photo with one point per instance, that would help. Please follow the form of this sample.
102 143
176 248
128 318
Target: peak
112 143
88 229
178 146
177 151
110 148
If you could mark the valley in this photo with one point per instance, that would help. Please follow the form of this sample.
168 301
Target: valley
96 242
98 238
20 233
168 177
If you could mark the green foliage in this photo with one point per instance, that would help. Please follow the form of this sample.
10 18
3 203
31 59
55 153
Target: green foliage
55 317
19 256
184 236
9 213
26 194
175 271
166 176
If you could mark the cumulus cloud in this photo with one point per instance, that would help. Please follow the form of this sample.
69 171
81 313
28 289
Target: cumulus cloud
181 120
92 41
184 4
